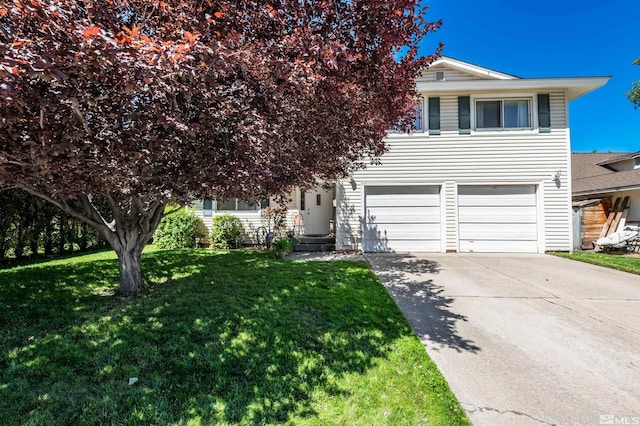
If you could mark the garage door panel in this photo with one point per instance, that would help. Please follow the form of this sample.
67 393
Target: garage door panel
400 245
412 201
497 190
386 191
403 232
473 201
490 214
496 231
405 215
504 246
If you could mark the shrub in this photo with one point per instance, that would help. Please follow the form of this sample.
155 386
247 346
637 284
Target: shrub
179 230
283 246
276 216
227 232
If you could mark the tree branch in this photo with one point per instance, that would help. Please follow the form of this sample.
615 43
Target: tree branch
120 227
157 213
91 209
76 109
172 211
63 206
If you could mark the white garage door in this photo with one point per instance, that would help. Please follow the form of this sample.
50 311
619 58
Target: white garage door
497 218
402 218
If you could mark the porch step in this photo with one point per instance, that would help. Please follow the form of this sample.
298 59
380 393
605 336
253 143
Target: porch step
308 243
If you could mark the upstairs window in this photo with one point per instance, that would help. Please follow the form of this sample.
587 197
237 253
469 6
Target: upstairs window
503 114
418 121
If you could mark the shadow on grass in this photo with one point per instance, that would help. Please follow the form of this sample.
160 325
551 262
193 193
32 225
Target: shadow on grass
223 337
407 279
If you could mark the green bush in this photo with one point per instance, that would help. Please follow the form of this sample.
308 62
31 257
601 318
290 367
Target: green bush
227 232
283 246
179 230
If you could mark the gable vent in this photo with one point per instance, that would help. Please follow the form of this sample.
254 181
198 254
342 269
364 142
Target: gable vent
439 75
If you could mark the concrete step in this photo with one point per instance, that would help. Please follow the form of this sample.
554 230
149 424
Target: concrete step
311 247
315 239
310 243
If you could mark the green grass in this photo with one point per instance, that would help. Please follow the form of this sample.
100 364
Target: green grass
614 261
221 338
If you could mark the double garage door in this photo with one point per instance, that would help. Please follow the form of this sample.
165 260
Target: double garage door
491 218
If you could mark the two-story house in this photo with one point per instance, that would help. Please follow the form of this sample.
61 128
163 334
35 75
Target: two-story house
486 170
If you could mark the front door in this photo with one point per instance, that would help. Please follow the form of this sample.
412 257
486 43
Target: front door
318 211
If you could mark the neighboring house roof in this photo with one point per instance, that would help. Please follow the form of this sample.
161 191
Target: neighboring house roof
589 176
625 156
489 79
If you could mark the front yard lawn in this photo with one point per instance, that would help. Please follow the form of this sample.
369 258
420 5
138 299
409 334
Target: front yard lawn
615 261
221 338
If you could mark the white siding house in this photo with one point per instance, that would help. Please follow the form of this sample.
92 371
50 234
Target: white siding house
488 171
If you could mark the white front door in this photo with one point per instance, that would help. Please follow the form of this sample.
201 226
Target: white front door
317 211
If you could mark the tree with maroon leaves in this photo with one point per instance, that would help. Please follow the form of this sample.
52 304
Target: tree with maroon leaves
134 104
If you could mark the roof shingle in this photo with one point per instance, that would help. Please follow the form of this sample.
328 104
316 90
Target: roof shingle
590 178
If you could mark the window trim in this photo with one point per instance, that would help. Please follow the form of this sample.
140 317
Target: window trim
474 115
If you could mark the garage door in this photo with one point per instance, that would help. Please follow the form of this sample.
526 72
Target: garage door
402 218
500 218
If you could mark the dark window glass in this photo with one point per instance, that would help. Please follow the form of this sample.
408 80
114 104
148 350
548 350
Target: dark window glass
207 208
488 114
226 204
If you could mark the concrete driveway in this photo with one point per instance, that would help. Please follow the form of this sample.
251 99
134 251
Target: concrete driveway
525 339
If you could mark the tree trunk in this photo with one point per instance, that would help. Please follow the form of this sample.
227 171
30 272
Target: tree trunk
83 241
71 236
3 242
132 228
126 224
20 237
48 237
62 232
131 282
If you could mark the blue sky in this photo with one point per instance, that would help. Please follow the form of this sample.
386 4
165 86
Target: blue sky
555 38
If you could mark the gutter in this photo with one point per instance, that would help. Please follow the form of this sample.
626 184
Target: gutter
605 191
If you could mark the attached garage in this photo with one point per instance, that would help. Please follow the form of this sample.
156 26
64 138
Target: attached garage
498 218
401 218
